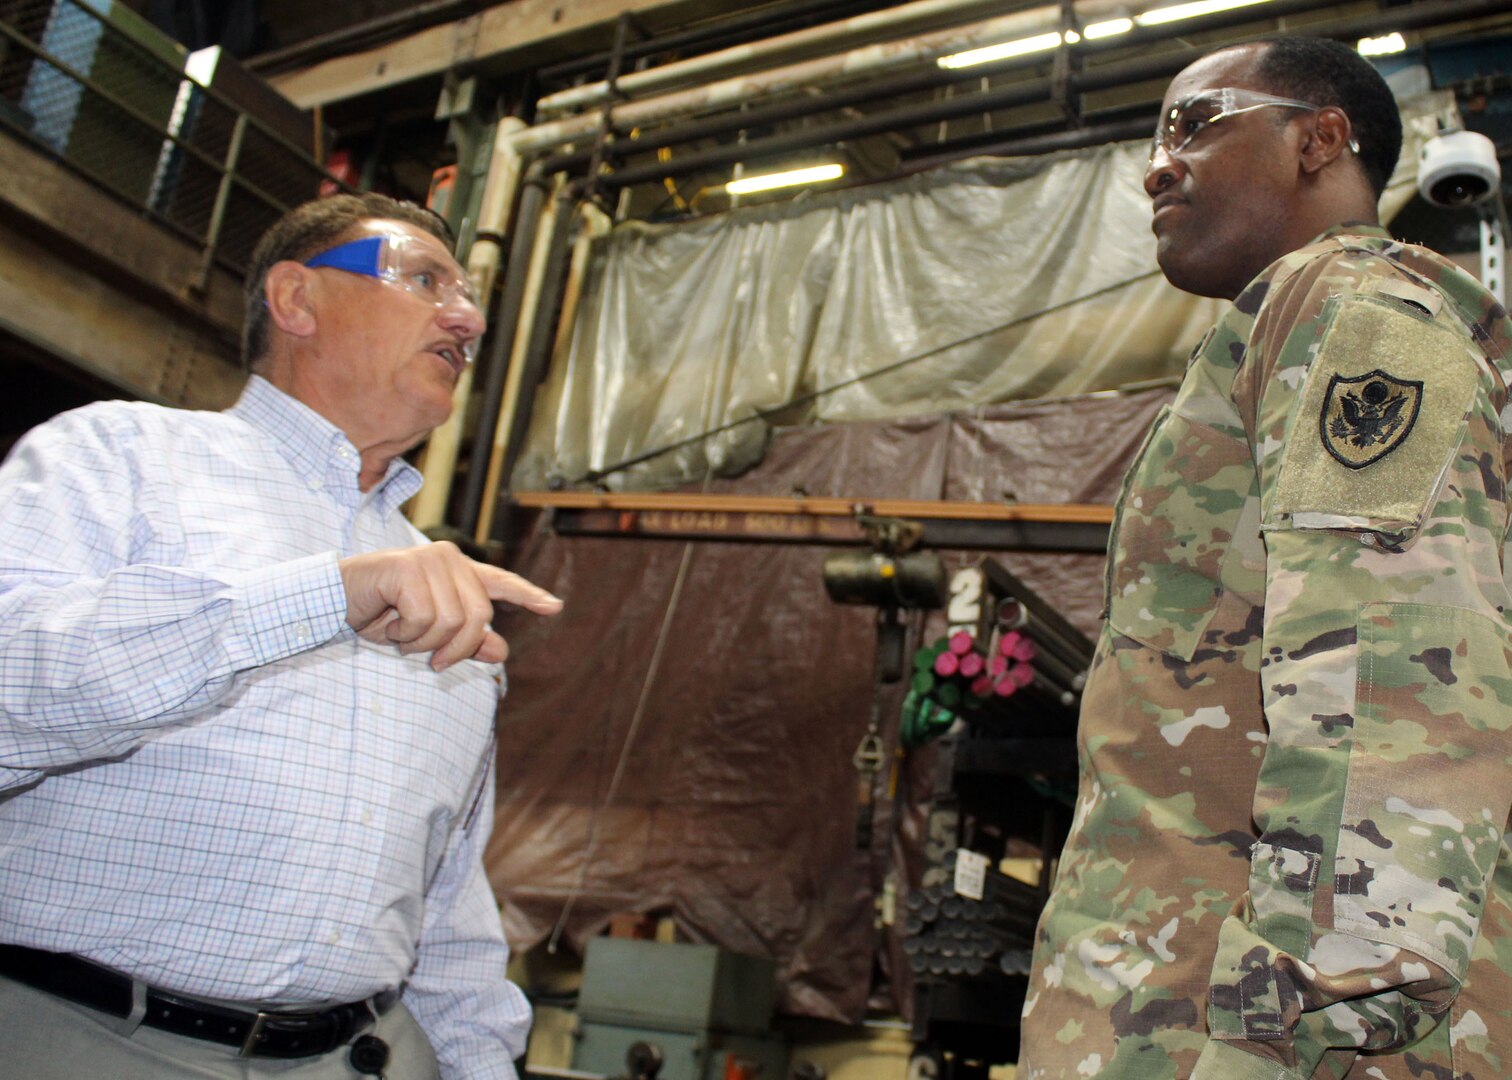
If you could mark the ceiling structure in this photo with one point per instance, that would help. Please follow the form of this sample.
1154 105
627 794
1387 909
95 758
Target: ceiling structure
705 89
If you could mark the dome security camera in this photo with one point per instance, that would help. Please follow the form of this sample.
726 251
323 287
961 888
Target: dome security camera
1458 168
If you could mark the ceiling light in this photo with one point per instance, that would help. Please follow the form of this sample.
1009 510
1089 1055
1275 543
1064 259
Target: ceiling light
1021 47
1107 29
1382 46
812 175
1190 11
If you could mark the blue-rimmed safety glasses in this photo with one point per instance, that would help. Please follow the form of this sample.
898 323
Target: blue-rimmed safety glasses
1195 113
405 263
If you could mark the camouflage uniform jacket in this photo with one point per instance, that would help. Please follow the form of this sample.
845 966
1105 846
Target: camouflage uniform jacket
1287 858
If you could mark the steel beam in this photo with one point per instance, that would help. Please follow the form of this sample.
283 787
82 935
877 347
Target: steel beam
112 332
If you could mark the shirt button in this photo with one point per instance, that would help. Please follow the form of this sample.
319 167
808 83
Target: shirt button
335 938
302 631
316 483
367 816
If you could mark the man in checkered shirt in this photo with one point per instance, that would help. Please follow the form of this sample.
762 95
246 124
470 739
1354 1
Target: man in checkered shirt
246 711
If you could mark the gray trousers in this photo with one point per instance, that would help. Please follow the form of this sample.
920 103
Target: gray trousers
47 1038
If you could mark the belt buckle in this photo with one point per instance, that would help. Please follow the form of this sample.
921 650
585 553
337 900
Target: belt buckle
249 1044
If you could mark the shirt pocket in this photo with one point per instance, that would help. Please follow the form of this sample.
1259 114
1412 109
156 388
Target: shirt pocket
1174 530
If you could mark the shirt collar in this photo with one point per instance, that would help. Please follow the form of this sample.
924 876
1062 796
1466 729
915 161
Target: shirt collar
317 448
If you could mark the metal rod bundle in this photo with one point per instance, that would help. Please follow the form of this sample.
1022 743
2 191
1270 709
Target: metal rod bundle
951 936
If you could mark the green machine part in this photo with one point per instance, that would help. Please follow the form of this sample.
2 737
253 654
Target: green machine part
698 1004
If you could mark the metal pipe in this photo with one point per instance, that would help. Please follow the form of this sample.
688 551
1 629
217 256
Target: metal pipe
491 452
1004 585
483 258
1012 615
871 26
1135 127
495 363
596 225
537 354
878 59
790 110
757 117
1110 75
742 90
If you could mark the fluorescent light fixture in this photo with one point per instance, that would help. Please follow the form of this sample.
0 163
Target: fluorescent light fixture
1072 37
1107 29
812 175
989 53
1190 11
1382 46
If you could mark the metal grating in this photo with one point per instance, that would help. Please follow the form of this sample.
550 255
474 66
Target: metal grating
116 106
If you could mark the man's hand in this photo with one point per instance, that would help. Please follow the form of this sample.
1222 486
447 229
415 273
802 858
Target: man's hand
435 599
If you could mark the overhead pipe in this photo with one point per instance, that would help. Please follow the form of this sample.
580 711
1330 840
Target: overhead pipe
1105 77
877 60
744 89
758 117
799 107
494 367
908 116
846 33
1133 127
483 258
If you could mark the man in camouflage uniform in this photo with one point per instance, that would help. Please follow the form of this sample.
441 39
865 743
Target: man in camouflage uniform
1288 858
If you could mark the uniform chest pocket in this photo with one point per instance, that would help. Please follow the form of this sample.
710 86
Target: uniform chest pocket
1172 549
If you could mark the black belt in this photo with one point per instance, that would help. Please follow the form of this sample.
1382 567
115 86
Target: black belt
255 1034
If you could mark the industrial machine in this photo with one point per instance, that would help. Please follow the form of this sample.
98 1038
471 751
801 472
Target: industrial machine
659 1011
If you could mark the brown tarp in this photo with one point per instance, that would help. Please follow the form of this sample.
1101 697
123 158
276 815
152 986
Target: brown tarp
735 808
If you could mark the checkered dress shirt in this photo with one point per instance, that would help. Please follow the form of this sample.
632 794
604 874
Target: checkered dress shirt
207 780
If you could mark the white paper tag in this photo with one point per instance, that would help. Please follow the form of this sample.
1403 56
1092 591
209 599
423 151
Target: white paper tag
970 874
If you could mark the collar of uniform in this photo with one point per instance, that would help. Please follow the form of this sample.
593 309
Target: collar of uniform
1356 235
1352 228
317 448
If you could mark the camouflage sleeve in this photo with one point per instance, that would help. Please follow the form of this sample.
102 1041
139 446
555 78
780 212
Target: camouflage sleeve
1385 785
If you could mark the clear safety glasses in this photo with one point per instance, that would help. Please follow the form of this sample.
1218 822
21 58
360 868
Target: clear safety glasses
1194 114
405 263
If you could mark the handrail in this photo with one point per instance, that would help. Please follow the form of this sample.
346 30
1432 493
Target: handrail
172 190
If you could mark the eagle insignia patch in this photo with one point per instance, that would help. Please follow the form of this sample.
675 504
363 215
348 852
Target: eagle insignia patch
1367 417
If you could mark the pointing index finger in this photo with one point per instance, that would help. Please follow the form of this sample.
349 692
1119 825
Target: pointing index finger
513 589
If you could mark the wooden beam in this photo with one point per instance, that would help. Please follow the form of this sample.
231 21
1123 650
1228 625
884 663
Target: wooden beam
828 521
825 506
497 34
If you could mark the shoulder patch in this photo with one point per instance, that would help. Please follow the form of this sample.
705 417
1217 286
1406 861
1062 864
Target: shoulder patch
1376 421
1366 417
